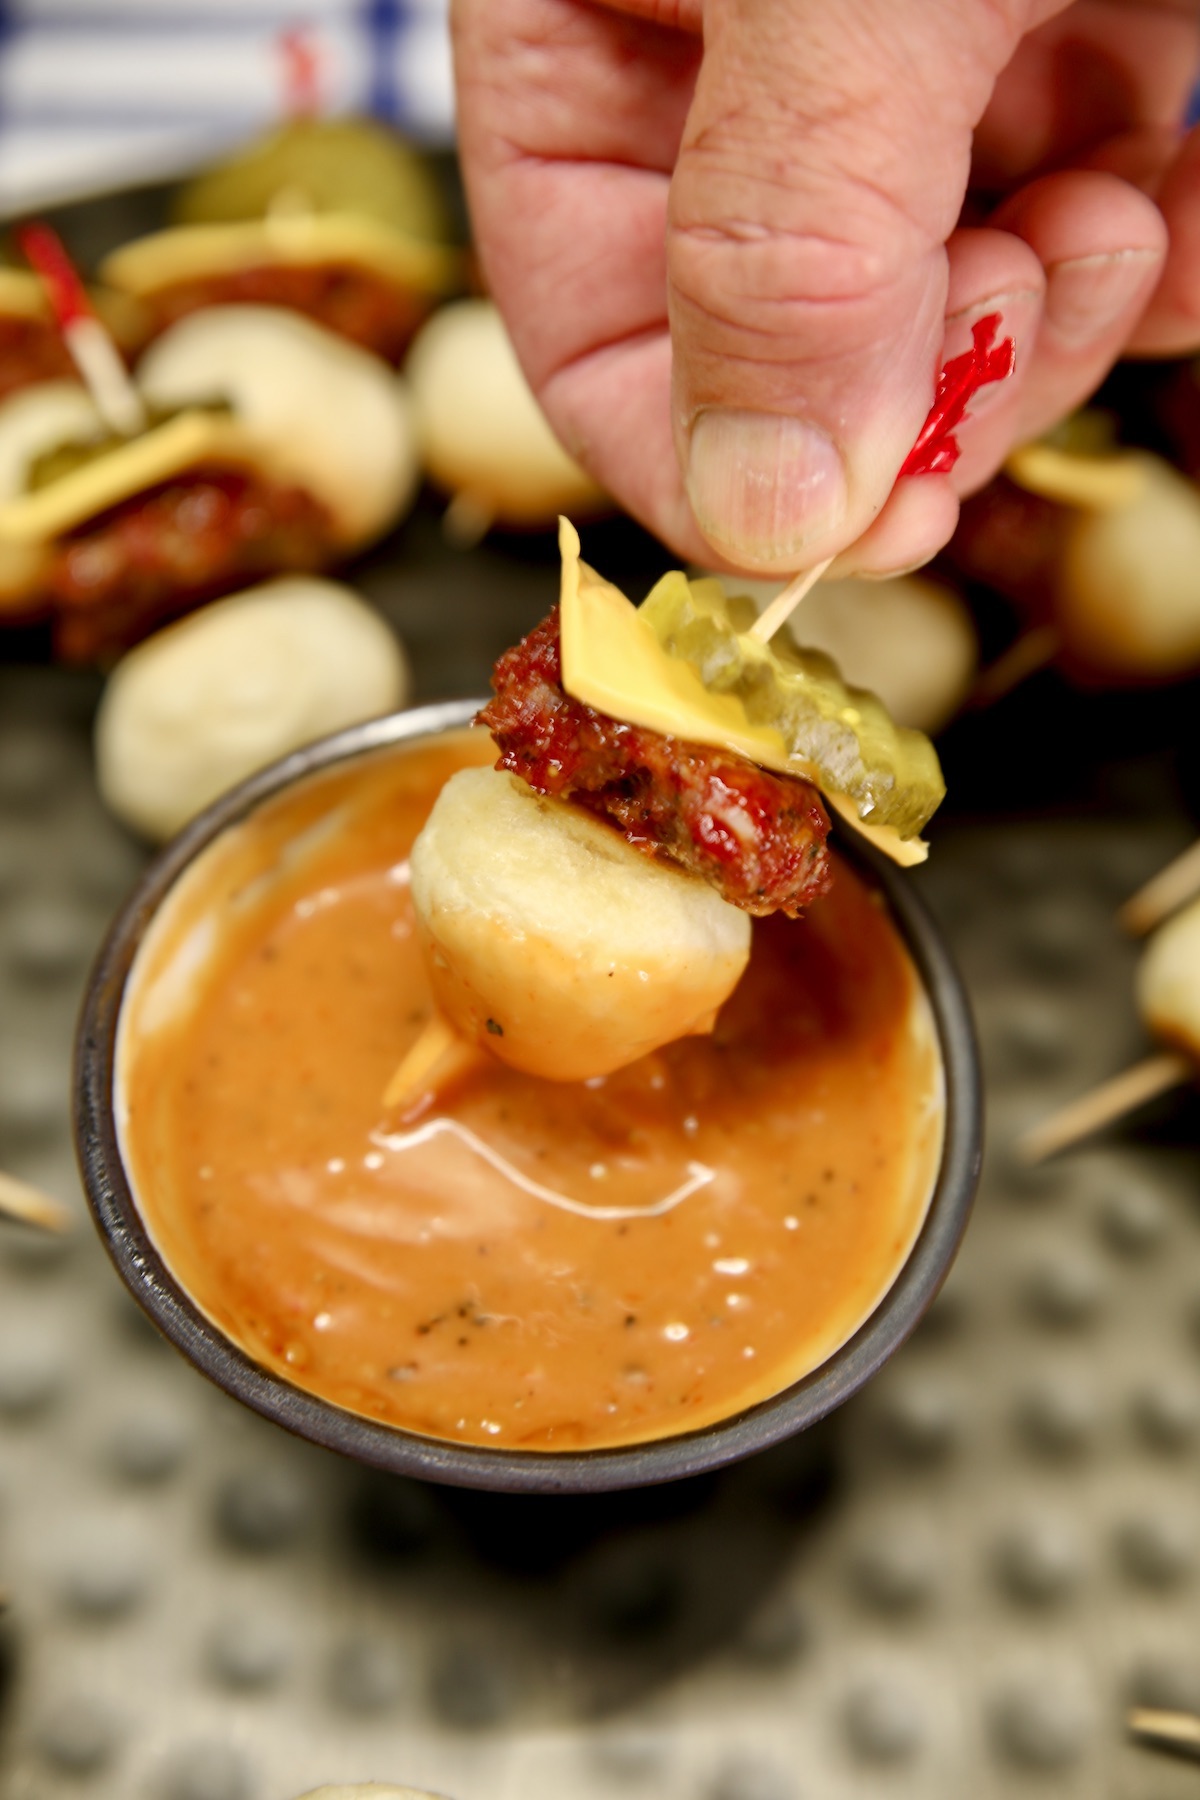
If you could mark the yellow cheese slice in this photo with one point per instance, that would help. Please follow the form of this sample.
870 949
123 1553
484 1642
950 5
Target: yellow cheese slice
886 839
1097 483
612 660
184 441
22 295
186 252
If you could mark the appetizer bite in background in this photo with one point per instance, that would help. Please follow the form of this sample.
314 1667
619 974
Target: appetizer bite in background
268 444
337 219
1098 546
198 707
1167 990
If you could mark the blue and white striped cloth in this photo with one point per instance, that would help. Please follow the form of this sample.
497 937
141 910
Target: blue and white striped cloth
99 94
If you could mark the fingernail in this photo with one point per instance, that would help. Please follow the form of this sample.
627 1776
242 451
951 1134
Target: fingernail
1088 294
762 485
896 574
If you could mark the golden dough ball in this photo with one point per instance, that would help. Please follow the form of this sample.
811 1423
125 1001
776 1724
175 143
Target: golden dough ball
1128 599
1168 980
207 701
554 943
328 415
483 436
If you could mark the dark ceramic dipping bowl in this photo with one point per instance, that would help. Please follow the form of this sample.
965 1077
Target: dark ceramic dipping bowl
157 1290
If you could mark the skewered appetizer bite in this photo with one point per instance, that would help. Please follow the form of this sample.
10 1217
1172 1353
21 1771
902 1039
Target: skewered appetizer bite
1099 547
269 445
205 703
1167 991
667 772
484 438
335 219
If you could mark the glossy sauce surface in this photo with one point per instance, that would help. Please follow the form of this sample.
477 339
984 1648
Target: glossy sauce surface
534 1265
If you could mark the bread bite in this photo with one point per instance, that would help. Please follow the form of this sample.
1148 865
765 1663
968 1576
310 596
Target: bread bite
484 438
326 414
554 943
206 702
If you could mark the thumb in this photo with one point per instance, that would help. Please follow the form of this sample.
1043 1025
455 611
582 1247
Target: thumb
823 167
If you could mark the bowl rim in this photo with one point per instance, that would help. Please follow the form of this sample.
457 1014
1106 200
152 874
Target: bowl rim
154 1286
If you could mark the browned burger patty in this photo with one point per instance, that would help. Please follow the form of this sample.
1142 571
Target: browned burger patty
758 837
377 315
130 569
31 351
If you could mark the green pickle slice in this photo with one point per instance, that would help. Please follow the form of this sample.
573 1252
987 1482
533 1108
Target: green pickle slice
63 459
839 737
333 165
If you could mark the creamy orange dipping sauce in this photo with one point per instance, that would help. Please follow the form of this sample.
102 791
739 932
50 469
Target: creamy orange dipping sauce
534 1265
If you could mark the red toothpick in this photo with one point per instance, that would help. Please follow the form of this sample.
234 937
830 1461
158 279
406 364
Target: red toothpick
301 73
46 253
92 349
936 450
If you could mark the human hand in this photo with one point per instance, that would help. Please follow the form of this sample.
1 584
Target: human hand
731 269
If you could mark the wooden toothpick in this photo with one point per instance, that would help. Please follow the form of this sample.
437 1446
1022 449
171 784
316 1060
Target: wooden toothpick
1163 1729
1105 1104
1163 894
439 1055
18 1200
467 520
785 603
91 348
1032 651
